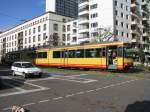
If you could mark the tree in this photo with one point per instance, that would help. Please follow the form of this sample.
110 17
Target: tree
141 55
54 40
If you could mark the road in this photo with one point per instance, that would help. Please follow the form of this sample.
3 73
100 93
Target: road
75 93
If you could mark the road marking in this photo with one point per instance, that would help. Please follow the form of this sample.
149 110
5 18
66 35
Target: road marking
43 101
74 79
71 95
75 75
44 79
82 92
23 91
29 104
90 91
8 108
58 98
79 93
6 70
17 88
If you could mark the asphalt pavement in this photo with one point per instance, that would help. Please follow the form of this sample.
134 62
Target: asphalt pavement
75 93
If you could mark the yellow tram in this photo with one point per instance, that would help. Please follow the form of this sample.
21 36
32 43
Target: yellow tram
113 55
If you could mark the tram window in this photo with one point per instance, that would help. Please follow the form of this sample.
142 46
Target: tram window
42 55
71 54
100 52
90 53
66 54
120 51
80 53
56 54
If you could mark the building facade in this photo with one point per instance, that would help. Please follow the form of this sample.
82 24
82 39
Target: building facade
63 7
34 33
126 20
72 33
140 25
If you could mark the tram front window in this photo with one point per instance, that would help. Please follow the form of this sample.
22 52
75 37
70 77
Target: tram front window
128 52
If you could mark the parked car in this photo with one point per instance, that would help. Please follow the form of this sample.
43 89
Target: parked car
25 69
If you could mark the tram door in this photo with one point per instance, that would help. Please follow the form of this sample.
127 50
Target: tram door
65 58
112 60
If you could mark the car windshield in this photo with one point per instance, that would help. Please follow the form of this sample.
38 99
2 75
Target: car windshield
27 65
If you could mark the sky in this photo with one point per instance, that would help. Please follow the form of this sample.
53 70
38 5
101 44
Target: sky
12 12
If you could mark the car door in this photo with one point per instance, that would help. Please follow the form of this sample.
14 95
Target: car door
19 69
14 67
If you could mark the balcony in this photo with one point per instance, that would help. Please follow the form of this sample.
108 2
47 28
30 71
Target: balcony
146 50
145 34
145 18
144 3
134 40
134 23
84 30
84 21
84 13
135 14
83 3
134 4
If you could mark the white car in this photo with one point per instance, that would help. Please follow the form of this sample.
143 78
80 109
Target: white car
25 69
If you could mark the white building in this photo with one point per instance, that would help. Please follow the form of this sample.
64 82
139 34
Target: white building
67 8
33 33
72 33
96 15
117 16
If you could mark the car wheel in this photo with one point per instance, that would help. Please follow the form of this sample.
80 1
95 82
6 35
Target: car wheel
25 75
13 73
40 74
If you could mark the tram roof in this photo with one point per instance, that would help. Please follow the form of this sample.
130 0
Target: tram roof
86 44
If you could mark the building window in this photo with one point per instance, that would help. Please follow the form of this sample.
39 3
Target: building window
116 12
94 24
116 3
33 38
122 24
126 8
117 22
29 39
68 37
39 37
55 26
64 37
39 28
68 27
29 31
94 6
121 5
44 27
127 17
122 34
94 15
74 39
26 33
74 24
44 36
25 41
34 30
127 26
122 14
127 35
64 28
117 32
